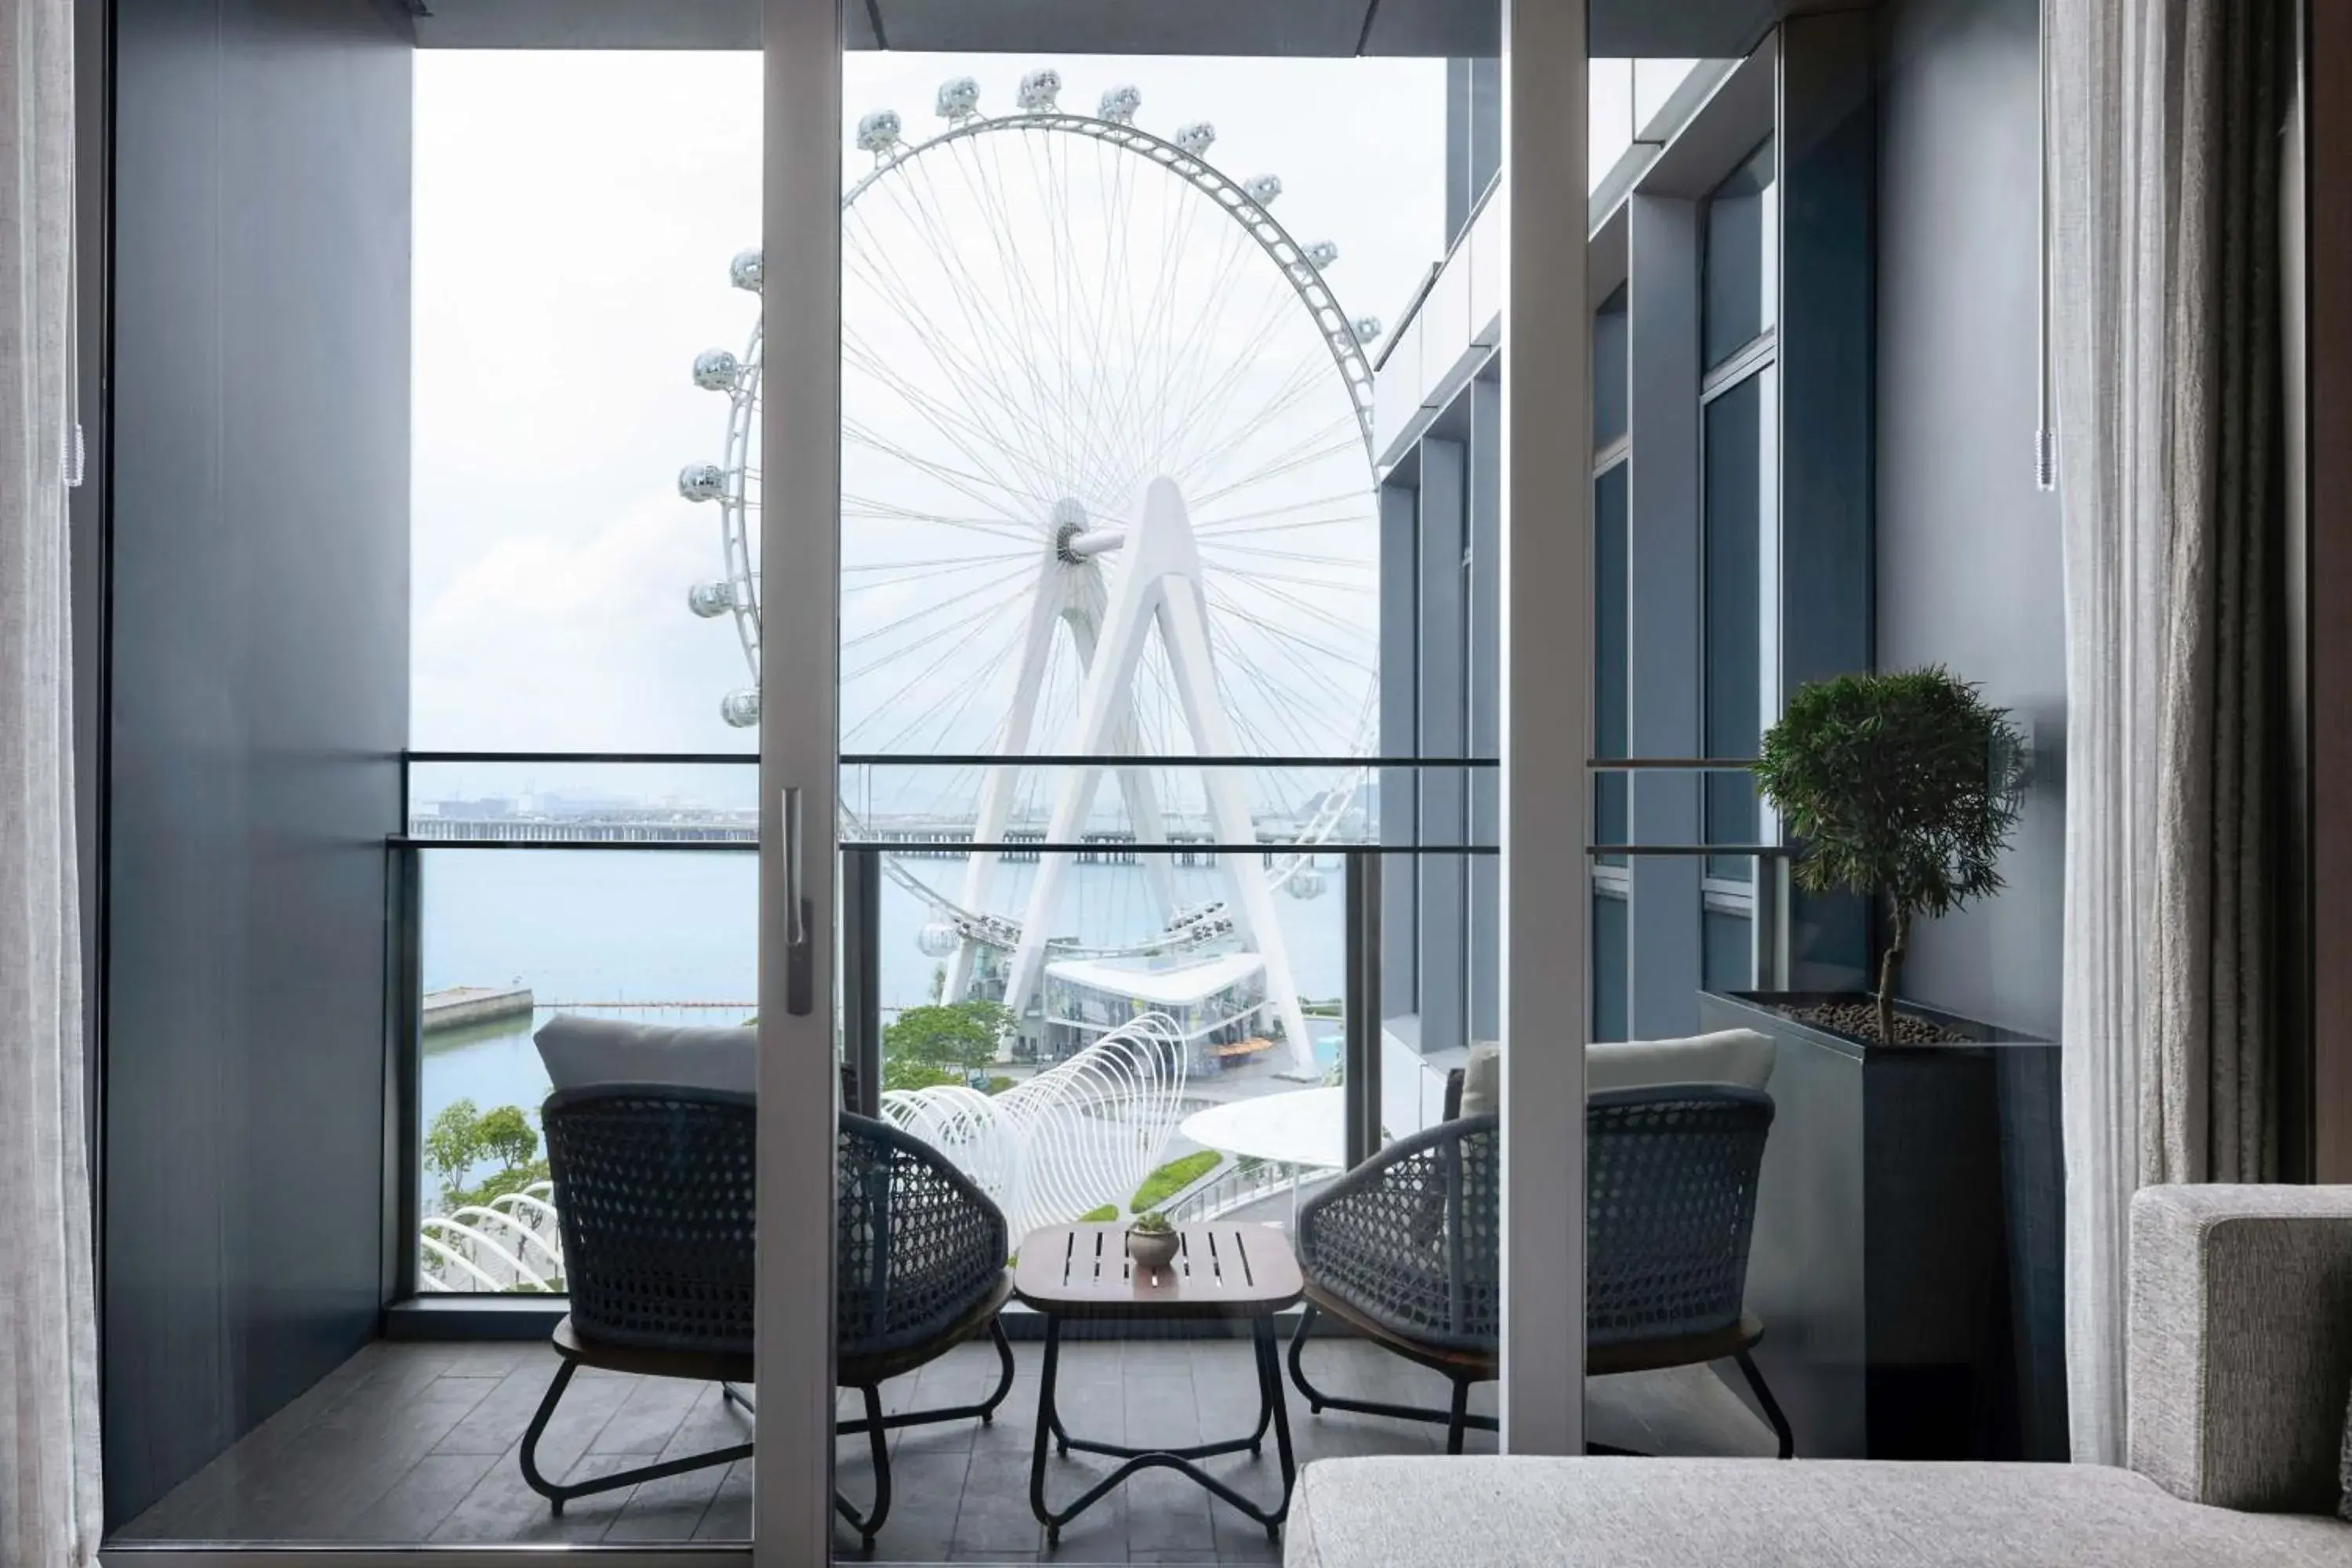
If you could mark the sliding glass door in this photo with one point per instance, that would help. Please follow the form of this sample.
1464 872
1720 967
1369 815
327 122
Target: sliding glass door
1130 842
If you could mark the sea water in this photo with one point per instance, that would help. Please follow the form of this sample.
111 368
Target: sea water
673 938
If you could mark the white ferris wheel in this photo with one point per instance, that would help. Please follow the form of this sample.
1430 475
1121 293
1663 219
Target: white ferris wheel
1106 490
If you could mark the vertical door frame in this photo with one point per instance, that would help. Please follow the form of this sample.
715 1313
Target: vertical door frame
800 435
1546 620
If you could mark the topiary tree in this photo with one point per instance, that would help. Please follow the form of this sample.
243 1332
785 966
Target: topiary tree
1902 788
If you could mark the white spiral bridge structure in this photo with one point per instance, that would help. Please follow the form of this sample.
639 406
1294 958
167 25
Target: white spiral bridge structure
1079 1137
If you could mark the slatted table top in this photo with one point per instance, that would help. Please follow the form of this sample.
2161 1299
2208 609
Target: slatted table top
1223 1269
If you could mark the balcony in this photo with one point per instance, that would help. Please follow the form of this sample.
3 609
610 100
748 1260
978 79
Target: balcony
626 891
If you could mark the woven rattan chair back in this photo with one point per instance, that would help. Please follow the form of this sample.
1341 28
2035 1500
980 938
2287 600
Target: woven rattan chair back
1412 1239
1670 1205
654 1197
918 1242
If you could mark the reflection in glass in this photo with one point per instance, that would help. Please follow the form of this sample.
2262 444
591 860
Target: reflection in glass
1610 629
1734 498
1612 961
1612 340
1743 244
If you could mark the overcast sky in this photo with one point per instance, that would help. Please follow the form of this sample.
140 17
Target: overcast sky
575 214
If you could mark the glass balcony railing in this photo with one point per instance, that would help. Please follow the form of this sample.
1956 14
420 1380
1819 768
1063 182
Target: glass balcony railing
1184 1017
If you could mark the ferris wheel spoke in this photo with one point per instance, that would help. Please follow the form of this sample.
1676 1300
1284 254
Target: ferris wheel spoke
1209 410
1290 462
1185 400
1218 446
1030 325
931 565
957 697
960 373
986 311
972 486
969 439
1206 521
1290 603
1218 548
991 584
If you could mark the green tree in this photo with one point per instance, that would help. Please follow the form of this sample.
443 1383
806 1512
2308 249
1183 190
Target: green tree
462 1137
453 1144
508 1136
900 1073
1901 788
956 1037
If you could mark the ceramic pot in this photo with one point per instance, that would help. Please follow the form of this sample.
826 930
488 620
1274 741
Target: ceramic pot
1152 1251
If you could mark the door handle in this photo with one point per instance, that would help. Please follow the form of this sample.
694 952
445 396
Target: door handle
799 966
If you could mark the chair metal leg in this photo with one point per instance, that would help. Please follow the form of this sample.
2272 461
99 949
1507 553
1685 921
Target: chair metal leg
877 1427
985 1410
1456 1418
877 1431
557 1496
1771 1405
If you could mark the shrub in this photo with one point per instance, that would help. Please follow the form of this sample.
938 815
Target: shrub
1172 1178
1901 788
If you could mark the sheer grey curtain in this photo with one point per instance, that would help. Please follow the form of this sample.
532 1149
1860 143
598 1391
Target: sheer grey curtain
49 1512
2165 118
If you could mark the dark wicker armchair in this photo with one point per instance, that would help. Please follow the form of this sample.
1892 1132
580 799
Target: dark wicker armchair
653 1192
1405 1250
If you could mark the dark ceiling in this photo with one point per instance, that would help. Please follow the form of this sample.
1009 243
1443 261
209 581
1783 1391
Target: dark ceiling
1619 28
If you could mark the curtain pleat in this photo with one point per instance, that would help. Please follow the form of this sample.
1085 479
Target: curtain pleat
50 1503
2165 119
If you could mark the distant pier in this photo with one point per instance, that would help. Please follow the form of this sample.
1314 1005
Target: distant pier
461 1004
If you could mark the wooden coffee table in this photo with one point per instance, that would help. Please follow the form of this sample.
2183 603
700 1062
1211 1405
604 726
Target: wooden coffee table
1225 1270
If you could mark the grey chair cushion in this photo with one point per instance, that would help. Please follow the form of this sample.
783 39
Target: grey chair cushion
1741 1057
1438 1512
581 1052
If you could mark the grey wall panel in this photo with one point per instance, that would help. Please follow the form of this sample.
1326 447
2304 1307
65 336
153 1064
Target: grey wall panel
1664 595
1969 569
1485 455
1400 788
1444 733
260 682
1828 143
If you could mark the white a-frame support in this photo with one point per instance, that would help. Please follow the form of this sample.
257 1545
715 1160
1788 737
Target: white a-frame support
1159 584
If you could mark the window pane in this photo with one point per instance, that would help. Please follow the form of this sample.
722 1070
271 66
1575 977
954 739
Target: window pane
1611 973
1611 630
1736 496
508 938
1610 343
1742 253
575 215
1726 951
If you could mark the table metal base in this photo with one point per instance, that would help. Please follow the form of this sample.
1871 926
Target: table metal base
1271 1412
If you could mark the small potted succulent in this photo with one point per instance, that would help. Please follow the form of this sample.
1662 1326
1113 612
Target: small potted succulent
1152 1242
